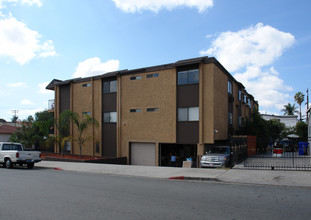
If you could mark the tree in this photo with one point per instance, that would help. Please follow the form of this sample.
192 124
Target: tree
2 120
81 125
275 129
25 135
302 130
299 98
62 126
289 109
256 126
33 130
43 122
14 119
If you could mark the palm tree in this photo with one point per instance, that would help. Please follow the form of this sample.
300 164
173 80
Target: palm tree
289 109
82 125
299 98
62 125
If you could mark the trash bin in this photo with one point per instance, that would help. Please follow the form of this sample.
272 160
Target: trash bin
303 148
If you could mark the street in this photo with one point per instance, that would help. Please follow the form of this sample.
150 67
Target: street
52 194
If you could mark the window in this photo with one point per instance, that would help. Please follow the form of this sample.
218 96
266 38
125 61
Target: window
11 147
152 109
230 118
188 77
86 113
153 75
135 110
240 95
110 117
135 77
110 86
229 87
240 121
193 76
188 114
86 85
182 114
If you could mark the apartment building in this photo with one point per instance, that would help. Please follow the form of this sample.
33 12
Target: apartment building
150 114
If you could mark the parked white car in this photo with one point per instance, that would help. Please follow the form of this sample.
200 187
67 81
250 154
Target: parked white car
14 153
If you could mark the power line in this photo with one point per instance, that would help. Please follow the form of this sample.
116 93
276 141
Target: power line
14 112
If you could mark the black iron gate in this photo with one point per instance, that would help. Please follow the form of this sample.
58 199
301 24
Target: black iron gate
271 157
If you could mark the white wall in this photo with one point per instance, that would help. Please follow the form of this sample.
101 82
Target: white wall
4 137
289 121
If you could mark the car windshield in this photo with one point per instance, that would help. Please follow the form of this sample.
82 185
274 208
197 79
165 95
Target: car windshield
219 150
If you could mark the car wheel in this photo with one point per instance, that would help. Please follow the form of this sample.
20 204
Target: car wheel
30 165
8 164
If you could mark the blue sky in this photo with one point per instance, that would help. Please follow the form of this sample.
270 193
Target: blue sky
264 44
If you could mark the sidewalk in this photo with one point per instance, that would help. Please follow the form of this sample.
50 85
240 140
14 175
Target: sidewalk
243 176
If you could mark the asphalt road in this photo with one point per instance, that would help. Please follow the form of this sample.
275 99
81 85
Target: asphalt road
53 194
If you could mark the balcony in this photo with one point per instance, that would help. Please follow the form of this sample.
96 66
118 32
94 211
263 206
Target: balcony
51 105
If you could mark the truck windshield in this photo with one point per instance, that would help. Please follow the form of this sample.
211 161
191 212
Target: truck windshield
219 150
12 147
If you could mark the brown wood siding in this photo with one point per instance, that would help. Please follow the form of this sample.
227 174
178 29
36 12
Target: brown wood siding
188 132
188 96
64 98
110 102
109 139
109 130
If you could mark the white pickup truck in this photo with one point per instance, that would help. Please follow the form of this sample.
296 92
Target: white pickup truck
13 153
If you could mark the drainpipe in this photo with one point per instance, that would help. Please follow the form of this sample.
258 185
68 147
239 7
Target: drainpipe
119 121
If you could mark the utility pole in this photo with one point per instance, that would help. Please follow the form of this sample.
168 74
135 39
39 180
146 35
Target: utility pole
15 115
307 102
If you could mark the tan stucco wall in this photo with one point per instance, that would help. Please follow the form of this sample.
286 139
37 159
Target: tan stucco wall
158 92
56 115
208 104
97 114
236 104
220 104
82 102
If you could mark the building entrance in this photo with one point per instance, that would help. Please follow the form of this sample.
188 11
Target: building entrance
174 154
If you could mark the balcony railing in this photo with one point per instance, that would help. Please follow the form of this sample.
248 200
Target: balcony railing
51 104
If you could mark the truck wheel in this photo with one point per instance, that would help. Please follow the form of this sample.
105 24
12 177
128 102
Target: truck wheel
30 165
8 163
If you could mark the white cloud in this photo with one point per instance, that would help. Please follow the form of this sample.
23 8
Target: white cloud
21 43
32 2
249 54
17 84
2 2
42 88
26 102
24 113
47 49
156 5
258 45
93 66
28 2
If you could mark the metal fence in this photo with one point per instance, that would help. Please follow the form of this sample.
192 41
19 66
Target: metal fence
265 158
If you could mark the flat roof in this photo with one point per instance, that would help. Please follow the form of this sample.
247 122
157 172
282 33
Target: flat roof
198 60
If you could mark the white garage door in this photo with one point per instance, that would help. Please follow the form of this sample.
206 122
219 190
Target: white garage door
143 154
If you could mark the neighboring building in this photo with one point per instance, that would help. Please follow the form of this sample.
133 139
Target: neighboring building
309 128
288 120
151 113
6 131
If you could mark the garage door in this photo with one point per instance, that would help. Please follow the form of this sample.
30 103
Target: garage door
143 154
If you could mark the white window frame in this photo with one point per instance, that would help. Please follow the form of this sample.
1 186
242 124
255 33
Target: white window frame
192 114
